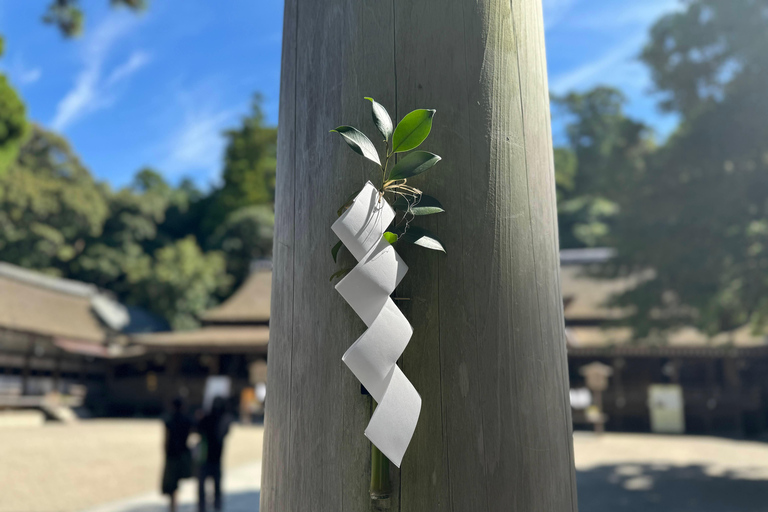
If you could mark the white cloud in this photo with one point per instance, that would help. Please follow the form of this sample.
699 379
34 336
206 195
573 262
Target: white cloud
29 76
135 62
19 72
599 69
555 11
196 147
91 91
630 14
617 66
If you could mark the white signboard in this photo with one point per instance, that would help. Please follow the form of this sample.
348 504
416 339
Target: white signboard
216 385
665 402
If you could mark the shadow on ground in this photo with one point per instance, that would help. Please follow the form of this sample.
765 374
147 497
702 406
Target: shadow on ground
246 501
661 488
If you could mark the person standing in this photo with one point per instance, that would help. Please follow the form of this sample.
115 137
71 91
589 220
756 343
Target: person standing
213 429
178 458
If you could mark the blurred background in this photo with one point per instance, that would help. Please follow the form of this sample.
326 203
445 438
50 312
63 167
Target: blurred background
137 171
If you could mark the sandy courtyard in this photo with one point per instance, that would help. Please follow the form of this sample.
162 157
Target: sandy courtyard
67 468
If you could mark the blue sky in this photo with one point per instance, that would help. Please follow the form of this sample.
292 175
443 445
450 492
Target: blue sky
158 89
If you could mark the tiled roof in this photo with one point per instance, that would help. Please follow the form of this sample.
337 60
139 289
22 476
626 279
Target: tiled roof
248 305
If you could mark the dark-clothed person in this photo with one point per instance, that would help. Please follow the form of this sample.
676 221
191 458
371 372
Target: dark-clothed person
178 458
213 428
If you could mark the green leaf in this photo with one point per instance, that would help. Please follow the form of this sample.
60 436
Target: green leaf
381 119
341 273
412 130
423 205
335 250
421 237
413 164
358 142
390 237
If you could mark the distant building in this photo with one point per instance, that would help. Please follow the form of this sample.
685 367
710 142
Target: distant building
723 380
232 341
56 336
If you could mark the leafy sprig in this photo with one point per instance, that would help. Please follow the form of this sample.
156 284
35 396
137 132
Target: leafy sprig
408 201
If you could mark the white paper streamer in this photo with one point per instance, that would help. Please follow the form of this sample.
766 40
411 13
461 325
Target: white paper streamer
373 357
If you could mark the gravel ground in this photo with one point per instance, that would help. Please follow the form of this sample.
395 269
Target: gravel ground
66 468
642 472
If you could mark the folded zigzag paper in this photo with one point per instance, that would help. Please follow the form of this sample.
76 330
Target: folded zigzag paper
373 357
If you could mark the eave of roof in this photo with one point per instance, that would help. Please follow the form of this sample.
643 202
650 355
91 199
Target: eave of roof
208 339
250 304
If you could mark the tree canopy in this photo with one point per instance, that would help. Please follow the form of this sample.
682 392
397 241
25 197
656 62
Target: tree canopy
69 18
605 151
151 243
13 121
698 211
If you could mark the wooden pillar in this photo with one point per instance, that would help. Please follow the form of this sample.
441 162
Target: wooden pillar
83 377
618 364
711 389
732 373
25 370
57 373
674 377
488 351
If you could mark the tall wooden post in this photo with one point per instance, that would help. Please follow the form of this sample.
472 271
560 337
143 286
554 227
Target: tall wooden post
488 351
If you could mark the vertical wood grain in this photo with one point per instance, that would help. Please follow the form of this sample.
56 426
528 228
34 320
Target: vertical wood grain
488 351
277 443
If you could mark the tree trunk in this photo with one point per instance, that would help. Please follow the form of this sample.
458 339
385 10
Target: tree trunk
488 351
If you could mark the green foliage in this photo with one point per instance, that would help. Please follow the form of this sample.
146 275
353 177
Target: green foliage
413 165
146 254
412 130
249 171
419 236
13 122
335 250
565 171
408 202
606 152
340 273
423 205
245 236
359 143
381 119
390 237
170 249
249 162
137 242
178 285
49 205
69 17
698 212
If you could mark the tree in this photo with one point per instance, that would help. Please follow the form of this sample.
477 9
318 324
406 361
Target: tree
147 254
249 170
249 162
245 236
152 244
238 217
698 214
49 205
13 121
488 350
69 17
180 283
605 151
56 218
